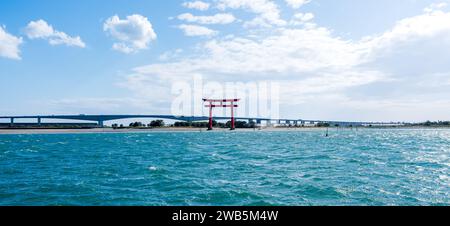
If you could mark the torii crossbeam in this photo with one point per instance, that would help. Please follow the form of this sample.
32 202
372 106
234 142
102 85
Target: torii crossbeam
223 103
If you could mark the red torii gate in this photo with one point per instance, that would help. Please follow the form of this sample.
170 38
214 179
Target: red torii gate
223 103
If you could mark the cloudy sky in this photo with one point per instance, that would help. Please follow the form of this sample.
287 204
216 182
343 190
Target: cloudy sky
374 60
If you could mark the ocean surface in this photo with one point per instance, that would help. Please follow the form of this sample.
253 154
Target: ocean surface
364 167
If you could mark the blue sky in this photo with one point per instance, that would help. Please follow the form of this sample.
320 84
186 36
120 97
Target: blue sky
338 60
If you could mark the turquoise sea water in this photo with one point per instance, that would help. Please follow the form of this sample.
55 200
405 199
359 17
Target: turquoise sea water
364 167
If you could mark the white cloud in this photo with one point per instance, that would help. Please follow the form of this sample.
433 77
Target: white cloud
198 5
310 58
9 45
101 105
170 54
220 18
195 30
40 29
425 26
435 6
295 50
301 18
324 75
296 4
267 11
133 33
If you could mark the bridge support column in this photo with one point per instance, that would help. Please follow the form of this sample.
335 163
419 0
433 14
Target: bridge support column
39 121
12 122
101 123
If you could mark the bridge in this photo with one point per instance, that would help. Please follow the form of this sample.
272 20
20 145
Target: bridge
101 119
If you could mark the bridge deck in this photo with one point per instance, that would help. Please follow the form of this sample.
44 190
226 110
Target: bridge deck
103 118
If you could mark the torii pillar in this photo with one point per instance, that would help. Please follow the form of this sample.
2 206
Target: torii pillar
223 103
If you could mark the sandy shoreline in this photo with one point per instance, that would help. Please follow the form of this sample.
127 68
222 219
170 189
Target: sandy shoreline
110 130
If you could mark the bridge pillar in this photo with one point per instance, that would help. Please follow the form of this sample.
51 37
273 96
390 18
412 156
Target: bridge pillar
39 121
100 123
258 122
12 122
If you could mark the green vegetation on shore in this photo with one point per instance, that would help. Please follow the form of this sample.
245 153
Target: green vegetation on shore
161 123
238 124
431 124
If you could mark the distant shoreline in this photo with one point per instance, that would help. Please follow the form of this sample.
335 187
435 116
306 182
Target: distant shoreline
143 130
173 129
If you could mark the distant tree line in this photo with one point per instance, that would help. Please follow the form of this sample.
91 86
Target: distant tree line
323 124
152 124
430 123
238 124
250 124
160 123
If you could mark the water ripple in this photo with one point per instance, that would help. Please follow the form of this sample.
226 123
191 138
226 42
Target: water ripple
364 167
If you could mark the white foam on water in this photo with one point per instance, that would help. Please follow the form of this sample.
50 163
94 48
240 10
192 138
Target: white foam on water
152 168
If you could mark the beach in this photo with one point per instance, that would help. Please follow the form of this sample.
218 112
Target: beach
174 129
146 130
